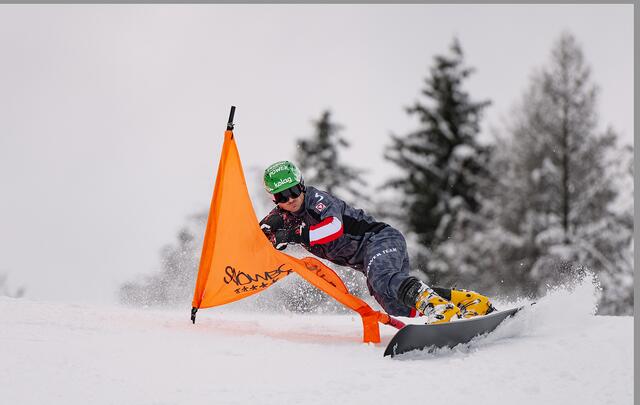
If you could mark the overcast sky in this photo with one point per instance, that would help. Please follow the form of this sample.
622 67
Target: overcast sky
112 116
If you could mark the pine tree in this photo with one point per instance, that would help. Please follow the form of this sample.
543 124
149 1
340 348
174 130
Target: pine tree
319 159
557 187
442 161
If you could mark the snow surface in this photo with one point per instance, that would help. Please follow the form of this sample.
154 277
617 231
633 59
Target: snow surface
555 352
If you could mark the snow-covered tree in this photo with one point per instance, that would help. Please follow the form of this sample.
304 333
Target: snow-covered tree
441 161
319 158
556 186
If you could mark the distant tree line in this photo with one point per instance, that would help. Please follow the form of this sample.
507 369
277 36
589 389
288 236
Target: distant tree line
543 202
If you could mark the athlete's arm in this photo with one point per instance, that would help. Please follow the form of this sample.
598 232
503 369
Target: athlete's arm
329 210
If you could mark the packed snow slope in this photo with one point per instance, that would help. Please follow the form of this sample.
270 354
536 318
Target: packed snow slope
555 352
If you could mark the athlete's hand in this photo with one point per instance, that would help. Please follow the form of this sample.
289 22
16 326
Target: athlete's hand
282 239
271 223
298 234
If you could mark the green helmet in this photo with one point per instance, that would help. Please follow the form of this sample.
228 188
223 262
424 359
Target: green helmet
281 176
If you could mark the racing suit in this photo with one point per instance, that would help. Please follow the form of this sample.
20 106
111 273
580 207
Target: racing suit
349 237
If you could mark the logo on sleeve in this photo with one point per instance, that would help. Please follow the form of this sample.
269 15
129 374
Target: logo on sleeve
320 206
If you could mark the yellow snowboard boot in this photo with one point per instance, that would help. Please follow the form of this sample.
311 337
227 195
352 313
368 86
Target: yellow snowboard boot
434 307
471 303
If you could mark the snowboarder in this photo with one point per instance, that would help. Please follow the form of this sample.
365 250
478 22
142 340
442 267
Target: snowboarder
331 229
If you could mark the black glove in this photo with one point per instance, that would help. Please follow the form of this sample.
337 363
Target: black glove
298 234
271 223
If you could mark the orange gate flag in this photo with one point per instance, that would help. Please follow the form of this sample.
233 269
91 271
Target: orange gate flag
238 260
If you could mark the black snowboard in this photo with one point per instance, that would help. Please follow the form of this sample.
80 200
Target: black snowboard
450 334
